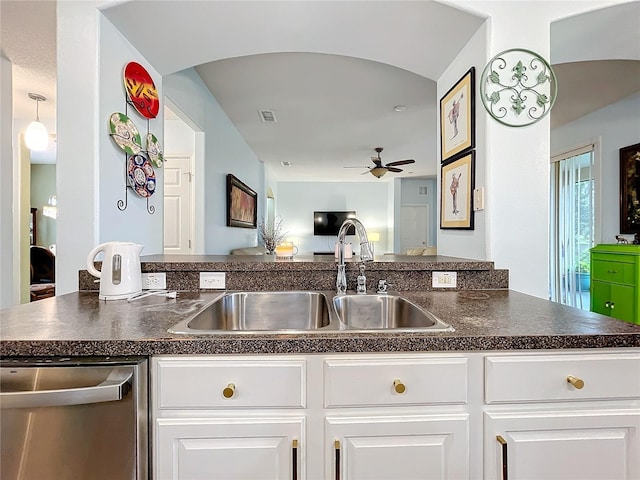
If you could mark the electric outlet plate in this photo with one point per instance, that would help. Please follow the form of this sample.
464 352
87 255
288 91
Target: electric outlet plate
444 279
154 281
212 280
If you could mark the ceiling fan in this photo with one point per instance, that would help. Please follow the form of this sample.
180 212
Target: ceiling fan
378 170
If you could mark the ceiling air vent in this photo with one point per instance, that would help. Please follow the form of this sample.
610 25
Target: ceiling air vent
285 164
267 116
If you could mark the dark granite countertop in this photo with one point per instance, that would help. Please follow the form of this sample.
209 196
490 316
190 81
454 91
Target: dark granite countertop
168 263
80 324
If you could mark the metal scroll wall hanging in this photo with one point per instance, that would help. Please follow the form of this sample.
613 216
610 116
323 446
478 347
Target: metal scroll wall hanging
140 161
518 87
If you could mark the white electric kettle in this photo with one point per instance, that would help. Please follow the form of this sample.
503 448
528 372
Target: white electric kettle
121 275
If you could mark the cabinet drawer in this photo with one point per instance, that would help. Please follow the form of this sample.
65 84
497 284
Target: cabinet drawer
616 272
203 383
544 378
362 383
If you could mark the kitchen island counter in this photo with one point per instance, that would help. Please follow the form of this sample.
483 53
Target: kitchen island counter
80 324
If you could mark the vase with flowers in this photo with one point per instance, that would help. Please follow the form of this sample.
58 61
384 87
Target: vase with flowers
271 233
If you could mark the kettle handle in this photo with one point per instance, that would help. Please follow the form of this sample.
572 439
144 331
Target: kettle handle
91 257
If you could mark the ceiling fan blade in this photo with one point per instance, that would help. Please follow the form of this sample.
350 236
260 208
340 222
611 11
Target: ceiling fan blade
401 162
393 169
366 171
377 161
356 166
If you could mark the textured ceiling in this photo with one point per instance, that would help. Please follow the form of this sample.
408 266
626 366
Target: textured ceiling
28 39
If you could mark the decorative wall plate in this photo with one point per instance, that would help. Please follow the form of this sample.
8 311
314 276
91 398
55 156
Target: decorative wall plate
141 90
518 87
125 133
141 176
154 150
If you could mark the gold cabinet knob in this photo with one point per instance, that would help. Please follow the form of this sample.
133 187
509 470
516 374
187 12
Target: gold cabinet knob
398 386
229 390
575 381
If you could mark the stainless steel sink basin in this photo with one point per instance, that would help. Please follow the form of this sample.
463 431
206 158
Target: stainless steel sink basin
384 312
260 312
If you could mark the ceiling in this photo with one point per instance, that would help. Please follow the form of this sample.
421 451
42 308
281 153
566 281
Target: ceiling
331 110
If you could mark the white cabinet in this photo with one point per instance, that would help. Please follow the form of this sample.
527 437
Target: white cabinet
562 416
228 418
408 430
457 416
568 444
398 447
281 417
242 448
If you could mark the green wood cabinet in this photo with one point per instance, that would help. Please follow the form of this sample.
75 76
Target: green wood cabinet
615 281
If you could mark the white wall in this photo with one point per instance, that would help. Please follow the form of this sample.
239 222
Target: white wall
78 130
467 243
178 137
8 287
225 152
296 202
516 175
616 126
516 159
135 223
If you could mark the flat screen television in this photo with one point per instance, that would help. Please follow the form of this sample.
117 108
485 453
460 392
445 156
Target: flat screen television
328 223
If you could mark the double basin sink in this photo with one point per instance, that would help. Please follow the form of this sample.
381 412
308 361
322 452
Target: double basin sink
308 311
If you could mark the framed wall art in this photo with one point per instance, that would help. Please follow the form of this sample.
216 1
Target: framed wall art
457 117
630 189
242 204
456 192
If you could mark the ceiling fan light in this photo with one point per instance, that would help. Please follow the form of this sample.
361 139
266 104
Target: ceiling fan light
36 137
378 171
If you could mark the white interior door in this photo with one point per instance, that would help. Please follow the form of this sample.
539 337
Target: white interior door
177 204
414 226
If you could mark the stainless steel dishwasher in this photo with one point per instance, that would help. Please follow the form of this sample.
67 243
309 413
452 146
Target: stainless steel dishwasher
71 418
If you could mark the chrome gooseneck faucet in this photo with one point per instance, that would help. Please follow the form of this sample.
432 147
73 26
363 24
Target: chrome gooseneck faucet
366 254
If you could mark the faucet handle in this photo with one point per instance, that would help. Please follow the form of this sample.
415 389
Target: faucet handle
382 286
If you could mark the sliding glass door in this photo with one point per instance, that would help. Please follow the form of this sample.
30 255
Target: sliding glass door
572 226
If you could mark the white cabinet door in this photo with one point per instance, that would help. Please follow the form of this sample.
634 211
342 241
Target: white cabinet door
580 445
229 448
402 447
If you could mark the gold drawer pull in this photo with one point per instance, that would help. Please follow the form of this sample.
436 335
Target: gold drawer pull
398 386
612 306
612 271
503 447
336 446
229 390
294 461
575 381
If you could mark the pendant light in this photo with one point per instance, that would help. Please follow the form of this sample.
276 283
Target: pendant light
36 136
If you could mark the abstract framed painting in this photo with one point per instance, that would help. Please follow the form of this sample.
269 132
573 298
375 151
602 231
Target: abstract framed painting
242 204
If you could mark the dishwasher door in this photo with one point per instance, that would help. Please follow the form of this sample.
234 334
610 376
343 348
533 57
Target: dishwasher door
69 418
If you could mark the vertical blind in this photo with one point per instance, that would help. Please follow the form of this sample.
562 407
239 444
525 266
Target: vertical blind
572 225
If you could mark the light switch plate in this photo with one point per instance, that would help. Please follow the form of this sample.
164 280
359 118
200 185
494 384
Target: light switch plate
154 281
444 279
478 199
212 280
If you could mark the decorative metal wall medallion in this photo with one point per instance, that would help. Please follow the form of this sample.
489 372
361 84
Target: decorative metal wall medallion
518 87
